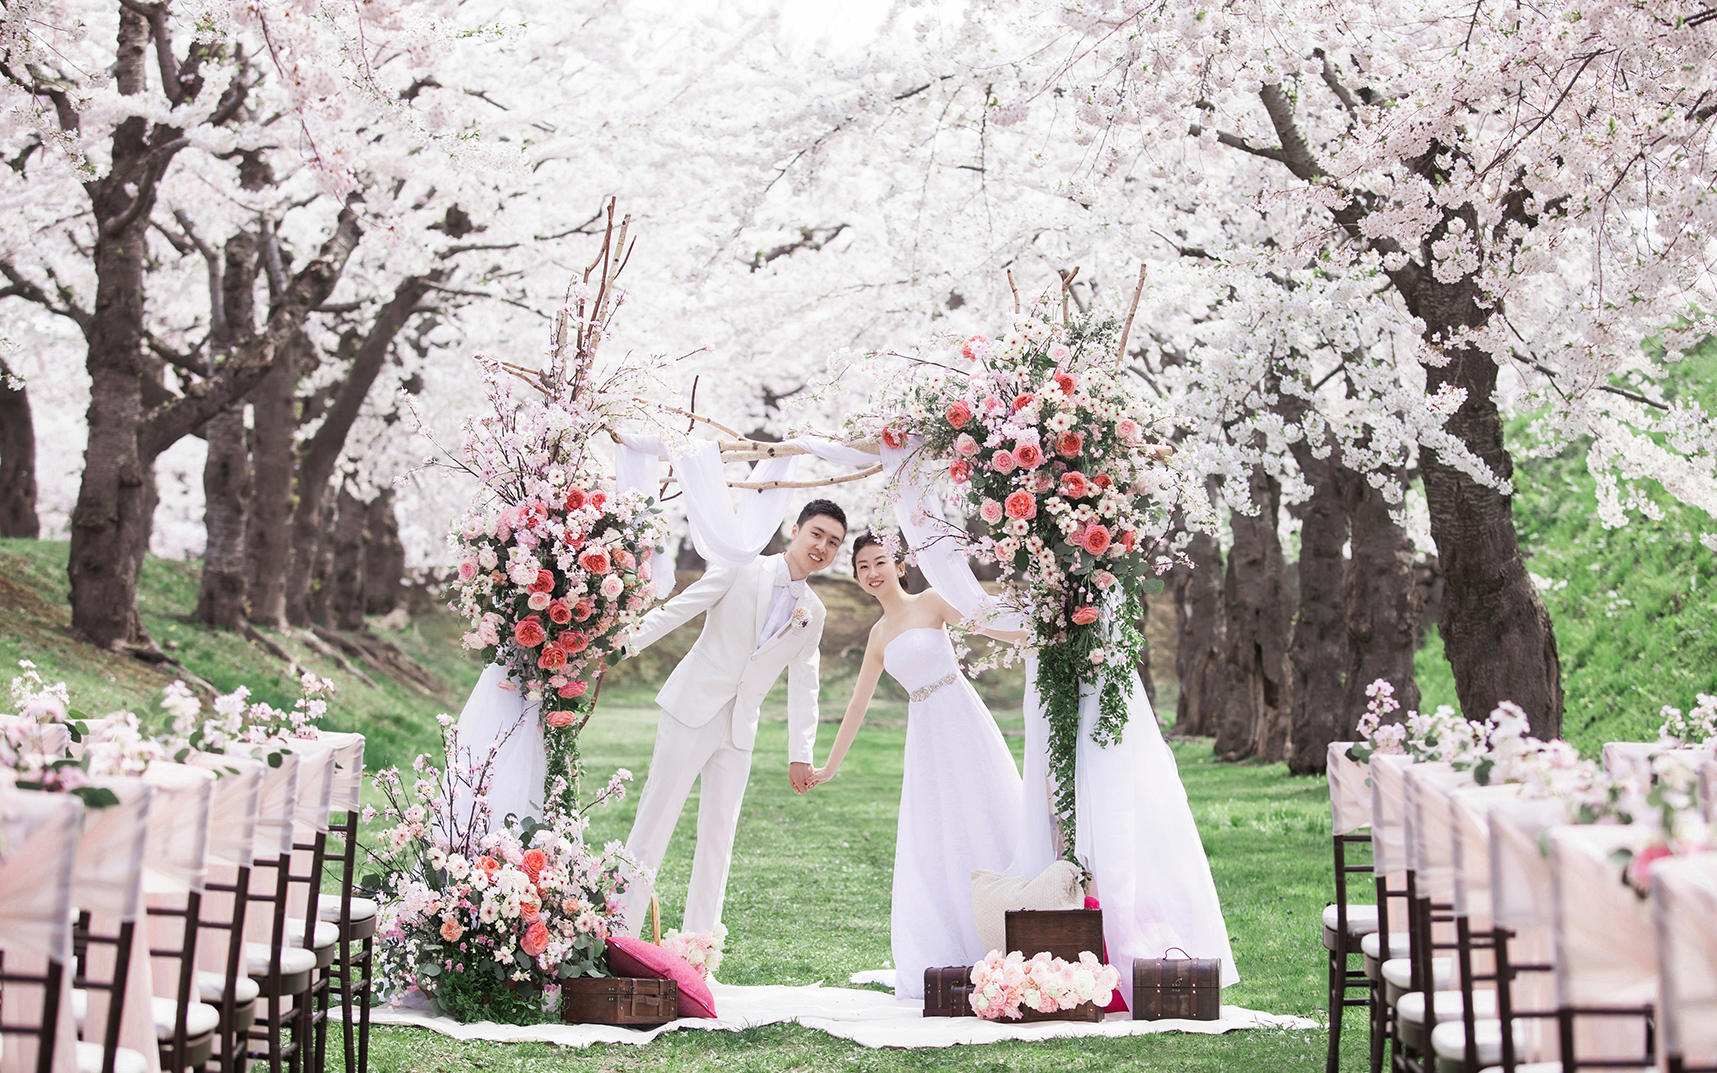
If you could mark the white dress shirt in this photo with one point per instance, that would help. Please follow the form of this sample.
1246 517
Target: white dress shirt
781 603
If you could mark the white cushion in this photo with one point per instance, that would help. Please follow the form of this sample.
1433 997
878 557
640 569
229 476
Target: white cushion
1411 1008
329 908
293 960
326 934
1449 1039
1361 919
994 893
1372 945
202 1020
1398 973
126 1060
212 988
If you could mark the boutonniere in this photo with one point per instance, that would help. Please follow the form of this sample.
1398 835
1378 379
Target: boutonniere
801 618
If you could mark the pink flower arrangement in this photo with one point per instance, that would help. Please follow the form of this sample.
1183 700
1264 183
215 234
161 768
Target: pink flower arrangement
701 950
1003 986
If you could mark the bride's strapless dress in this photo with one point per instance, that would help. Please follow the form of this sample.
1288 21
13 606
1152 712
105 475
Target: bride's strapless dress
960 808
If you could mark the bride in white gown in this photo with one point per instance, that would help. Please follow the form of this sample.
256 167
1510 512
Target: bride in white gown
960 796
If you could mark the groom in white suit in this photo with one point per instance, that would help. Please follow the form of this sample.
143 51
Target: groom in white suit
759 618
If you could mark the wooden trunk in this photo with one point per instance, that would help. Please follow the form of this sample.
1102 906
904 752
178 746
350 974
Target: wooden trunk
608 1000
1064 933
1085 1011
948 991
1177 988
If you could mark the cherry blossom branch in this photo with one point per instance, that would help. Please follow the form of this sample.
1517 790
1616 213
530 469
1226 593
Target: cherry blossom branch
1127 327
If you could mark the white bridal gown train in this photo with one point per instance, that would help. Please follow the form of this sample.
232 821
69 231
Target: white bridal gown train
960 803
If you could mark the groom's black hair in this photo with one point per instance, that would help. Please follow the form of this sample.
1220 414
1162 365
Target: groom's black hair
826 507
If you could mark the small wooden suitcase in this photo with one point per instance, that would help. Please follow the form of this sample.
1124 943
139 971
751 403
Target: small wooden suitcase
948 991
1064 933
1183 988
609 1000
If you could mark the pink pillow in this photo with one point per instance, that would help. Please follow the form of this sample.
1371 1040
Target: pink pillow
1117 1004
635 959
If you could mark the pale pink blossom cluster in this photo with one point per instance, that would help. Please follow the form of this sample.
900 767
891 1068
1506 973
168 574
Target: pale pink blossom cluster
1696 726
1004 986
701 949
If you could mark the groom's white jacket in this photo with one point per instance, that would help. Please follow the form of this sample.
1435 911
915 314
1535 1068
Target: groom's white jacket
726 662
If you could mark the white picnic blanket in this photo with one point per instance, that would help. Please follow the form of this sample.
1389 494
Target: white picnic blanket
868 1018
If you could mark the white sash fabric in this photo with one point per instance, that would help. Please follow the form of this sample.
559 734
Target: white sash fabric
1388 808
1708 790
316 777
1606 950
1349 790
41 739
1684 911
277 800
108 885
177 855
348 789
37 860
1469 808
1430 837
233 809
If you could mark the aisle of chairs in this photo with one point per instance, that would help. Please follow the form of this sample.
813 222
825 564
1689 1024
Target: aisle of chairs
1481 930
180 922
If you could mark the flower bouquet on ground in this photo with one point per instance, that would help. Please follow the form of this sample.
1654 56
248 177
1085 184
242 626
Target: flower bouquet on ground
485 921
1047 448
1043 987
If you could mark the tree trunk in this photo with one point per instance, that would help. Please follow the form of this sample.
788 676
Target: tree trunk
318 599
317 458
1199 628
269 549
384 556
226 491
1384 603
1496 632
17 460
346 581
1320 645
1255 695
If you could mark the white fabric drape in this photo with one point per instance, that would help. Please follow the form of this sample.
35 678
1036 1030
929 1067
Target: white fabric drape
348 788
1430 837
1470 807
108 885
1606 950
38 840
498 716
1349 792
176 858
1684 896
316 776
1388 802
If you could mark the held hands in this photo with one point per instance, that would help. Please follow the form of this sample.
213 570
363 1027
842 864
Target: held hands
799 776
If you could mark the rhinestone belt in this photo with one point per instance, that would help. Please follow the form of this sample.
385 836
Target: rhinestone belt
923 693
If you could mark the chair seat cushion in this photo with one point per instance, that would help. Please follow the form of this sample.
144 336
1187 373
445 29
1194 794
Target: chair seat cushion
329 909
212 988
1372 945
1398 973
1361 919
125 1060
200 1020
1449 1040
327 934
1411 1008
293 959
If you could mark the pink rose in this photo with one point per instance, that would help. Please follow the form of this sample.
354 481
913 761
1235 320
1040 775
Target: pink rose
572 691
595 561
960 470
552 657
624 559
990 511
543 583
1003 462
535 939
1028 455
975 348
1085 615
1128 430
1021 504
560 612
575 499
1069 444
529 632
584 608
893 437
965 446
1074 485
1096 538
959 414
538 601
467 569
1065 381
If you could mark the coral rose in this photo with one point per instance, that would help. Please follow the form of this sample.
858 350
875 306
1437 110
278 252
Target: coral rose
624 559
552 657
572 690
960 470
959 414
595 560
559 612
529 632
451 929
535 939
1069 444
1074 485
1128 539
598 500
574 642
583 609
1103 481
1028 455
533 862
1021 504
1022 400
975 348
575 499
543 583
559 718
1085 616
1096 538
1003 462
1065 382
893 437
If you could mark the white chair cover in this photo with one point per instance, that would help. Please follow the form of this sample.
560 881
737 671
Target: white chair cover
1632 759
42 739
108 885
316 776
277 800
1521 899
235 809
1606 950
1708 790
1349 790
38 842
177 857
348 788
1430 837
1684 910
1469 810
1388 808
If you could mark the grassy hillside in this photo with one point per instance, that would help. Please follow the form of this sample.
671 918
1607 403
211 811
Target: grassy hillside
1634 609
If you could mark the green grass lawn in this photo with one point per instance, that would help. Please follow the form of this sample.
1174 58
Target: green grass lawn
808 902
